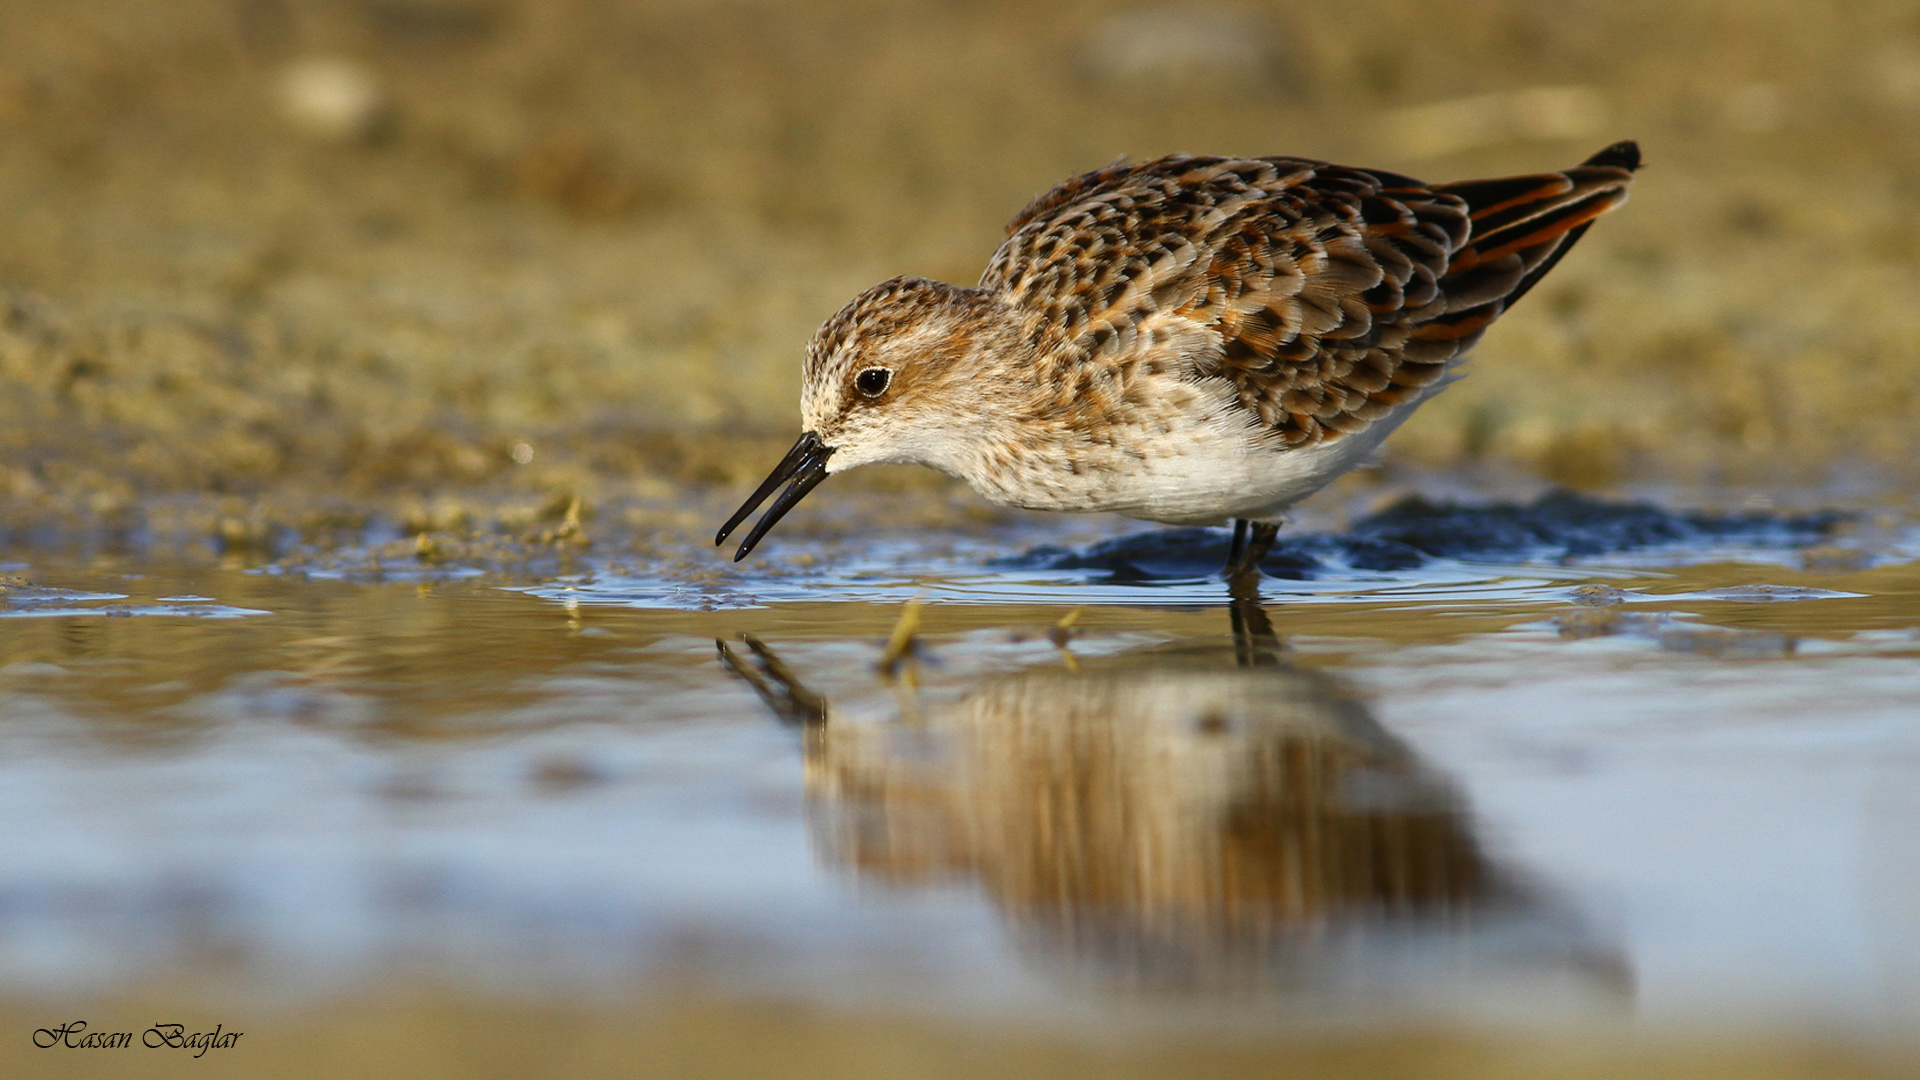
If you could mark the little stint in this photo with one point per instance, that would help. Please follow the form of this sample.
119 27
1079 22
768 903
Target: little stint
1192 340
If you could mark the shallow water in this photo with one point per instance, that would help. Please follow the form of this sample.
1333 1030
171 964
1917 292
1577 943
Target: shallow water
1670 791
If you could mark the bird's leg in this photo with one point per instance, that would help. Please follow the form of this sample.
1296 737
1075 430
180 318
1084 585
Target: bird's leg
1245 558
1239 543
1264 533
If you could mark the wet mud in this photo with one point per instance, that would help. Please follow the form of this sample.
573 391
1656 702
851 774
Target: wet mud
1555 526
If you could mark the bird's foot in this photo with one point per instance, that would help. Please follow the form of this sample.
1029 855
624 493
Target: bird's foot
1251 542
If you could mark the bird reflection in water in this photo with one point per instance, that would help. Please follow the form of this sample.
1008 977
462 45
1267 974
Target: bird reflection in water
1187 817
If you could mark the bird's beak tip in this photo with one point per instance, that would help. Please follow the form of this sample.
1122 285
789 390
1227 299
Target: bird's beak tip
801 470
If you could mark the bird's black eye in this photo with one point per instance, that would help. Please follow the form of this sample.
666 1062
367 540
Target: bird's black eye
873 381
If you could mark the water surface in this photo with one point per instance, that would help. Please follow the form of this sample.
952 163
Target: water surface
1667 793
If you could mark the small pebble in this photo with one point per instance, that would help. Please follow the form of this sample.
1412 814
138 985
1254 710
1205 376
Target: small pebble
333 99
1599 595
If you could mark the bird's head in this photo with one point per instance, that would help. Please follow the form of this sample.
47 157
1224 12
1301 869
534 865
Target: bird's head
905 373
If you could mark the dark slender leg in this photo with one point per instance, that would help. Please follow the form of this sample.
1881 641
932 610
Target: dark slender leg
1245 558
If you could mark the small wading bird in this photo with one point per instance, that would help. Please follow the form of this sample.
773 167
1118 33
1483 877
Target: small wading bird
1191 340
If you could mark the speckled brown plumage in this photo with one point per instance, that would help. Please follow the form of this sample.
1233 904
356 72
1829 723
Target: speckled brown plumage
1188 340
1335 293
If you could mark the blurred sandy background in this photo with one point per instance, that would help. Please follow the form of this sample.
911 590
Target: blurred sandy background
378 245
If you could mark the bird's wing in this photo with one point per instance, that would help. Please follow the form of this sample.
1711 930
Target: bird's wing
1330 294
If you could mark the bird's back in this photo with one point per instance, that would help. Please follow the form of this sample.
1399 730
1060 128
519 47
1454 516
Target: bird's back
1329 297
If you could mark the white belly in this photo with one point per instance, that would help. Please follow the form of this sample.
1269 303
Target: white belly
1209 475
1207 482
1209 467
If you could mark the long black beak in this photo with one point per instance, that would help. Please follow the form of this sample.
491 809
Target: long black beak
805 466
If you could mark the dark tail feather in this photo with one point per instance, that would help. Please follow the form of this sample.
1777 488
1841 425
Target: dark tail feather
1523 225
1621 155
1533 276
